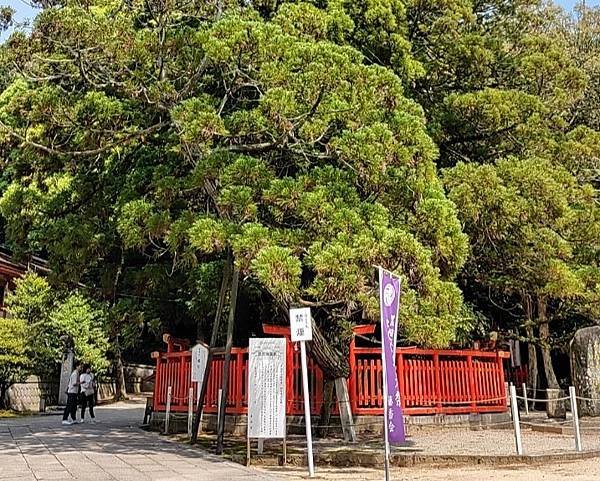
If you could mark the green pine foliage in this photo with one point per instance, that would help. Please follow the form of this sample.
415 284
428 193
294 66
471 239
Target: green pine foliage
453 142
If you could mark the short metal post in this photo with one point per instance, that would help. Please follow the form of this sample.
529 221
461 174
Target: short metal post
248 447
575 414
515 415
285 450
190 411
524 386
168 411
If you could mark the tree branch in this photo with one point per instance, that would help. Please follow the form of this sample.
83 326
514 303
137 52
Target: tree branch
81 153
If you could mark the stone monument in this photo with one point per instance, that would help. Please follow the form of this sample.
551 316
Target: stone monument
585 369
66 369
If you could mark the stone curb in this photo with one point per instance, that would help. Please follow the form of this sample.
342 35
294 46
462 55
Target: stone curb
363 459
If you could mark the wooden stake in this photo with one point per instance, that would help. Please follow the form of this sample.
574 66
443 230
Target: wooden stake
228 346
213 342
341 392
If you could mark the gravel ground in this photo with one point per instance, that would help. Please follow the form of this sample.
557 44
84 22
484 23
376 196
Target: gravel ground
486 442
584 470
498 442
463 441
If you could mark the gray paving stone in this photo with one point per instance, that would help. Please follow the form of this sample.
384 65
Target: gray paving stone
40 449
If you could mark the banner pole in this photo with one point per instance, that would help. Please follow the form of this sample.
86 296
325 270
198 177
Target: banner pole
385 390
385 423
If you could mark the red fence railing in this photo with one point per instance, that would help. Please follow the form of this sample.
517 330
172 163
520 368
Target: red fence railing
431 381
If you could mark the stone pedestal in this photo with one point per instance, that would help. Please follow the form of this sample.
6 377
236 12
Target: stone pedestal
65 372
556 409
585 369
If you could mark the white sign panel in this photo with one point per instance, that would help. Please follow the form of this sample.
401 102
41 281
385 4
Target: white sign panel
301 324
199 358
266 388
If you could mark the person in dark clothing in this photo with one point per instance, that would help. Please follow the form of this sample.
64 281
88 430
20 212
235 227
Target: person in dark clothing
72 394
86 379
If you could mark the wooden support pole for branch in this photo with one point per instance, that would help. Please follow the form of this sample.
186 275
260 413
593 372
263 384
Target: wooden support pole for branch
228 346
213 342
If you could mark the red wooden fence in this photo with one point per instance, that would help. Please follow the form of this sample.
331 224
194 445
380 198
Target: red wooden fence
431 381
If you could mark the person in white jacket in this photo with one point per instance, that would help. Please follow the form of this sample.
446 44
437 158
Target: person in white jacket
72 393
86 381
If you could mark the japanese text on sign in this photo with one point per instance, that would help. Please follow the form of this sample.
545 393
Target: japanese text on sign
199 358
301 324
266 388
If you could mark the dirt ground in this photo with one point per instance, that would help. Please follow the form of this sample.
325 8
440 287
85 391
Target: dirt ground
583 470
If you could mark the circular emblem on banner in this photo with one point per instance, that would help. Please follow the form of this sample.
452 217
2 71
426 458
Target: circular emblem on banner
389 294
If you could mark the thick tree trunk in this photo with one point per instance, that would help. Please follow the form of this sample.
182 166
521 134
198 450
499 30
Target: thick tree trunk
325 414
333 363
532 373
213 342
228 346
121 390
3 396
544 328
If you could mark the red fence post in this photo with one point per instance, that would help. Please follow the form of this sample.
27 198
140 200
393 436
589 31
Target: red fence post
157 383
500 375
239 390
289 376
400 374
352 392
438 382
472 388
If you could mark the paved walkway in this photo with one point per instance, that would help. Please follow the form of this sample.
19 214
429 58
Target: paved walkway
115 449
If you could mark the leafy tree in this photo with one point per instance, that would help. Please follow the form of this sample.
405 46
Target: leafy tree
14 348
49 321
6 17
156 137
578 31
534 232
511 83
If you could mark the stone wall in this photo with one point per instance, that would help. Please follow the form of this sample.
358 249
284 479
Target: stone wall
34 394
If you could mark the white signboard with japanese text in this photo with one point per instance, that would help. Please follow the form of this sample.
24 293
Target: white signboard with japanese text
266 388
199 359
301 324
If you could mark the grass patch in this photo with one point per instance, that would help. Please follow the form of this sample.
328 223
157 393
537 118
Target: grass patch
7 413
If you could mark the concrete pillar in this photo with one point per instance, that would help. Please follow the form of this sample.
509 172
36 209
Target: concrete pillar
66 369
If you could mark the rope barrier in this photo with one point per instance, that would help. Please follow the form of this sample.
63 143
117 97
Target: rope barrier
544 390
544 400
380 423
176 398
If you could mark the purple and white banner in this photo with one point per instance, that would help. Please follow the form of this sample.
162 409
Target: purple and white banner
389 303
